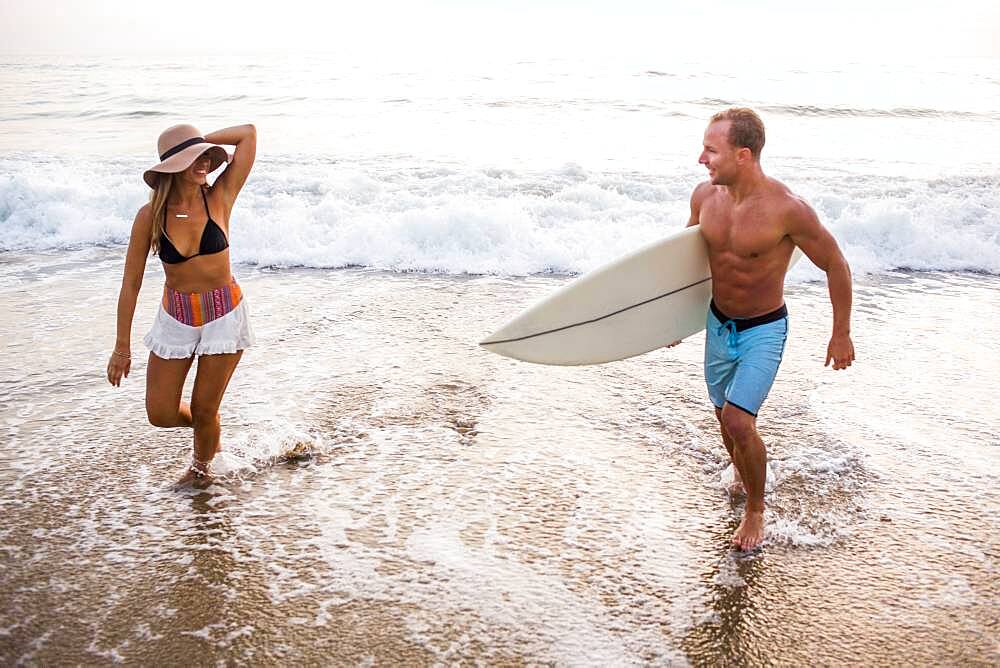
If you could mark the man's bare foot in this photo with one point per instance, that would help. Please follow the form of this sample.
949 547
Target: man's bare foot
750 533
734 487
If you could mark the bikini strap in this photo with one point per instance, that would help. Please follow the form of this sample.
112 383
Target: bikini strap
204 198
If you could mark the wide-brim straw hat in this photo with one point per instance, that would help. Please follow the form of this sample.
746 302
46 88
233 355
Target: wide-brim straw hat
178 147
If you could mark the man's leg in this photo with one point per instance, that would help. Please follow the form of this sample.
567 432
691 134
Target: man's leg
720 366
750 459
760 350
736 487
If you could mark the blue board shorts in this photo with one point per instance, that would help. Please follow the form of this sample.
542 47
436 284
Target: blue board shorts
742 357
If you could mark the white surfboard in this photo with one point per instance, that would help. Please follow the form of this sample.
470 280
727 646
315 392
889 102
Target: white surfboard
643 301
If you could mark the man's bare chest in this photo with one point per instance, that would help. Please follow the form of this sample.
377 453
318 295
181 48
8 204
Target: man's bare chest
747 232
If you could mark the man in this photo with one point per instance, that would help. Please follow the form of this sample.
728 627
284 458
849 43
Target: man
751 224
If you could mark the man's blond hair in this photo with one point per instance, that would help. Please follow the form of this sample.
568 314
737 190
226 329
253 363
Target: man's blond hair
746 130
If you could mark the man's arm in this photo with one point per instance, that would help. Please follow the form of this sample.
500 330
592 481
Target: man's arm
697 197
818 244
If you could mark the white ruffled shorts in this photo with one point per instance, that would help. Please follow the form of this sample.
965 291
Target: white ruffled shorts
171 339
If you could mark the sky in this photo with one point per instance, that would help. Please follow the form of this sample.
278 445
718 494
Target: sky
720 29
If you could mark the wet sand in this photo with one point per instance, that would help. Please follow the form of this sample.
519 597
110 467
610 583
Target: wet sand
455 506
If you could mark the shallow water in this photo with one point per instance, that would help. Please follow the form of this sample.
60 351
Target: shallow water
452 505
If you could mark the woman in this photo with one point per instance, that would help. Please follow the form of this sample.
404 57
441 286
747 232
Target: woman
202 314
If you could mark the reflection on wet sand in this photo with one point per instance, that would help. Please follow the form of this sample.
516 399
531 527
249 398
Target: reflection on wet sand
392 494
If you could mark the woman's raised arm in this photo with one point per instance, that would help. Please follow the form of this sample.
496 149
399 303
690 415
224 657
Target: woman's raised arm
244 138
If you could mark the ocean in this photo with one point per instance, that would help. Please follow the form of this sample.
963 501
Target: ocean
393 494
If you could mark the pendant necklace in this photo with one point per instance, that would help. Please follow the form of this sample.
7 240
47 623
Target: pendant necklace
180 215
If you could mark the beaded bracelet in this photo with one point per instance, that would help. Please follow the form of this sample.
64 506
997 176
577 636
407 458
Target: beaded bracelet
199 468
127 356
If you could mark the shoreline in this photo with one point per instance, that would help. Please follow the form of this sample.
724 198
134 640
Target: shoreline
464 506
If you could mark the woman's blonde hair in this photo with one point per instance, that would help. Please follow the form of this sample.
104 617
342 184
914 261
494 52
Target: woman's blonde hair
158 203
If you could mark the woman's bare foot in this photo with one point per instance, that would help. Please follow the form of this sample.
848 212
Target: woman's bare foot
198 474
750 533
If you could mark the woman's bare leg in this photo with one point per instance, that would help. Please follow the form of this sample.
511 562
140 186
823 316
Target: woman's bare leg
214 372
164 384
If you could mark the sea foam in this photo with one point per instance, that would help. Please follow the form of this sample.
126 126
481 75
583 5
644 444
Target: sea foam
463 220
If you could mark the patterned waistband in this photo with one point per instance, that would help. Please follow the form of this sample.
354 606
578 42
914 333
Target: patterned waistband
199 308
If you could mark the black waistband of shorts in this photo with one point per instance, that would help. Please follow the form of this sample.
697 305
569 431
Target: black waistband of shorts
746 323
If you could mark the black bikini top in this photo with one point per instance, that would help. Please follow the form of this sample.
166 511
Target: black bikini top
213 240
